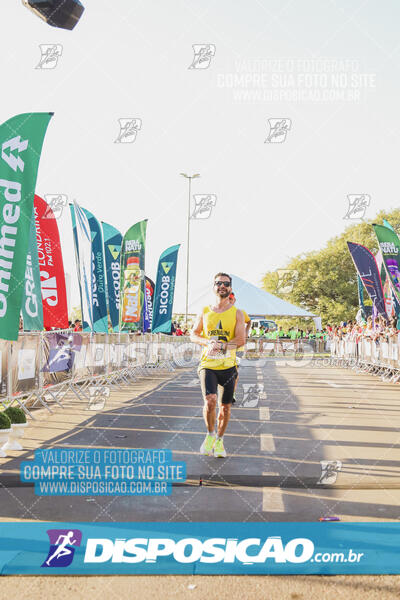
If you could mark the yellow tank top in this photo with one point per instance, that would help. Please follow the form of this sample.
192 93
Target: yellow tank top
246 316
218 326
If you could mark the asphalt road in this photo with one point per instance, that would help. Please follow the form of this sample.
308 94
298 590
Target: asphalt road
288 419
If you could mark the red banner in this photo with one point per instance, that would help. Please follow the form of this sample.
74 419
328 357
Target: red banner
52 278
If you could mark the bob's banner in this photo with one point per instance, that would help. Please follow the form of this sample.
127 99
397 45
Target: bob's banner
148 304
32 308
21 141
368 270
165 288
52 276
83 256
390 294
99 298
112 255
132 277
389 245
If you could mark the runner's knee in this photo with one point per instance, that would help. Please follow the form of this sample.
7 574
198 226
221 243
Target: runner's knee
224 409
210 401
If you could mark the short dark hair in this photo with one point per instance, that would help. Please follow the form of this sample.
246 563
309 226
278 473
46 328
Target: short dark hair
223 275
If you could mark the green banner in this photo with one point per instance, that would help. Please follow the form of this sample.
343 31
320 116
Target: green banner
164 291
132 278
21 141
32 307
389 245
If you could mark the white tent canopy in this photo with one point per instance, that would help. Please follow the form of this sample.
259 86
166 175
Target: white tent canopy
255 301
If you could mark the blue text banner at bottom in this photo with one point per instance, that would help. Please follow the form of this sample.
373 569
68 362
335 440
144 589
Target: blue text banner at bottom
199 548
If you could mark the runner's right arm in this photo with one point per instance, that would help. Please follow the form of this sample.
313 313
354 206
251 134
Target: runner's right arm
196 334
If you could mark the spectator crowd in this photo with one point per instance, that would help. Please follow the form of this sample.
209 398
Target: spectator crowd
293 333
378 329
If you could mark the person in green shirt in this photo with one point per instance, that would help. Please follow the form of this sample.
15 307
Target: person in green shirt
325 337
273 336
298 338
292 335
279 336
320 341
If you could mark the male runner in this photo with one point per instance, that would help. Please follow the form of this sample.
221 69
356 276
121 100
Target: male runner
220 329
239 351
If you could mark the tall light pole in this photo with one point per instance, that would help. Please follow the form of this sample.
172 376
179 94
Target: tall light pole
189 177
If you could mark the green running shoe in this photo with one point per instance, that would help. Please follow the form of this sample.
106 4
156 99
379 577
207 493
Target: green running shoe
207 446
219 450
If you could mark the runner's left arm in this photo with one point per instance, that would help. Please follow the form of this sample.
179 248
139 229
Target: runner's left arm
239 339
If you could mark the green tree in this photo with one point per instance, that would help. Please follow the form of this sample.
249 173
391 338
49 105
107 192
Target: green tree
325 281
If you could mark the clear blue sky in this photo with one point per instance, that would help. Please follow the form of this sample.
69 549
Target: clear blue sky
275 200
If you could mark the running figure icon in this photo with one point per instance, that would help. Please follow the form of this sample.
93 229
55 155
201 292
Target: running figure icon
62 549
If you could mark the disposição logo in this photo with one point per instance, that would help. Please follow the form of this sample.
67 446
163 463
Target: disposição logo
62 547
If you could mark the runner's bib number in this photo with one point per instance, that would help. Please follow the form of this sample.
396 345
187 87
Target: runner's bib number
215 353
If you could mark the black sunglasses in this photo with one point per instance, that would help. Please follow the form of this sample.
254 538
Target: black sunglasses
225 283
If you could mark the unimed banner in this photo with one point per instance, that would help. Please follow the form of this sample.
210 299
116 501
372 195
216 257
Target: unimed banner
99 298
52 276
367 268
164 292
21 141
132 277
32 308
112 255
390 247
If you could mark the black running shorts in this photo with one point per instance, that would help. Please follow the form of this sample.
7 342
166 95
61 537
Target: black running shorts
221 381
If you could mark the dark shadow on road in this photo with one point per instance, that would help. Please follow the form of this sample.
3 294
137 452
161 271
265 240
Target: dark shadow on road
270 447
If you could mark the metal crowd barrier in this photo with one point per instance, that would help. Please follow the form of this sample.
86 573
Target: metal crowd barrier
42 368
379 357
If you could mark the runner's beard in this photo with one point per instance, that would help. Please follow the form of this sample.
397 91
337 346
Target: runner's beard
223 293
